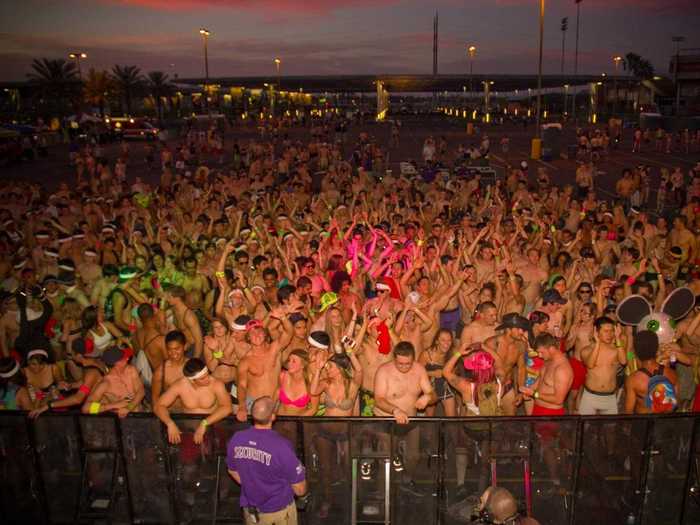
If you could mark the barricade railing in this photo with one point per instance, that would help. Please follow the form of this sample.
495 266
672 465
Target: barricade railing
73 468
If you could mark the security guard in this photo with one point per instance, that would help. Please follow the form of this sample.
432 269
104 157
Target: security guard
264 464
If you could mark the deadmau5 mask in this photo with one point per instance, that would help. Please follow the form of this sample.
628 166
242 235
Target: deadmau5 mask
635 310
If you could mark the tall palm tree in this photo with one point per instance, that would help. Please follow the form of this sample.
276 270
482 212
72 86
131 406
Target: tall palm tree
98 87
640 68
159 86
57 80
129 82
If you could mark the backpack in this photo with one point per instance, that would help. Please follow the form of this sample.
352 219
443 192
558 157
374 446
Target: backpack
661 394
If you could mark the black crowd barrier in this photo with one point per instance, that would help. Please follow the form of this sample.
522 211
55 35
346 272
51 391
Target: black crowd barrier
71 468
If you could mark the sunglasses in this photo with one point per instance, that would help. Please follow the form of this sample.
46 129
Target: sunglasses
585 291
382 291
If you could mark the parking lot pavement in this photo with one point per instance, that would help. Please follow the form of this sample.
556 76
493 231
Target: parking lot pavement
414 130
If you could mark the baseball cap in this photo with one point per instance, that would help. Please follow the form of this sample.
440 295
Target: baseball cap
552 296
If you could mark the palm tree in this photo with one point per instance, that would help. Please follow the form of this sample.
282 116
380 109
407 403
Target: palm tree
640 68
159 86
97 88
57 80
128 81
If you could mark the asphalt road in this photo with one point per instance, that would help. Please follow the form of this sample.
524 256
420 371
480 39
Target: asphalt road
414 130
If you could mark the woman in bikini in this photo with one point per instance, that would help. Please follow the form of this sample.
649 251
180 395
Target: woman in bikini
434 360
338 392
44 379
220 353
295 386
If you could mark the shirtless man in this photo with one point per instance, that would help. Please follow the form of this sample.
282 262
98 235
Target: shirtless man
258 371
195 284
646 346
534 275
121 390
104 286
602 360
553 384
170 370
9 326
199 393
681 236
186 321
482 327
373 352
149 338
508 351
402 386
383 305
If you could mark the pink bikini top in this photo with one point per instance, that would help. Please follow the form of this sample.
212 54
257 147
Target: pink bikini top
301 402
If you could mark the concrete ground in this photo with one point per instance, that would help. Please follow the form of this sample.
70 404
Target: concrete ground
414 130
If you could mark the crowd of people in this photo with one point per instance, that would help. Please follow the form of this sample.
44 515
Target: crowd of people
314 277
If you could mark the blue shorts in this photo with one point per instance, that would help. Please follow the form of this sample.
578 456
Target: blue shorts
449 319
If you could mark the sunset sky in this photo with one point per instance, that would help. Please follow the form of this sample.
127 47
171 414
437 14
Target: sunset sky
330 37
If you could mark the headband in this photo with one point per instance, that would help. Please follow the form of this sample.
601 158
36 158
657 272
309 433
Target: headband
382 286
316 344
238 327
32 353
10 373
199 375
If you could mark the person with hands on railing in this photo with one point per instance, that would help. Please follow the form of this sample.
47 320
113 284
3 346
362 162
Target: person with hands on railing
198 393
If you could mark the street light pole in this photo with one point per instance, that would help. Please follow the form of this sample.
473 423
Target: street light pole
77 55
617 60
472 51
677 40
539 71
205 36
578 14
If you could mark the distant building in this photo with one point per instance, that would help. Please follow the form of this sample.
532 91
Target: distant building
687 73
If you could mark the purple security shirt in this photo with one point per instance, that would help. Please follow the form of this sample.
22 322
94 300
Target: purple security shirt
268 467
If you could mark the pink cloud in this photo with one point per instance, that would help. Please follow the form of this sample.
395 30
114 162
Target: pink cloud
289 7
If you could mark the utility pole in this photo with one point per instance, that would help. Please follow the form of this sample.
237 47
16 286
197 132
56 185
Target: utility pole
677 40
205 35
564 27
578 15
539 72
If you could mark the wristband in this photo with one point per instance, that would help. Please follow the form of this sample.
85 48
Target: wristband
631 280
218 354
130 406
94 408
49 405
457 353
536 395
618 344
220 274
419 242
204 424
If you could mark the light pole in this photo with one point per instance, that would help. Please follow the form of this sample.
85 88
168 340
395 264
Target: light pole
677 40
205 36
471 50
578 14
539 71
617 60
566 96
564 27
77 55
278 62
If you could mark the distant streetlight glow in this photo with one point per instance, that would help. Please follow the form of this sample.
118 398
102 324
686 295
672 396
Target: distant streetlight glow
77 56
205 36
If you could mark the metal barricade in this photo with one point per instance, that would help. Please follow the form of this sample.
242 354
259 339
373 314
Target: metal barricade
73 468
